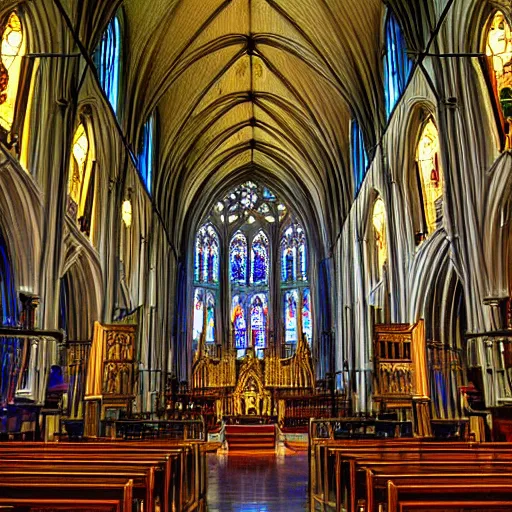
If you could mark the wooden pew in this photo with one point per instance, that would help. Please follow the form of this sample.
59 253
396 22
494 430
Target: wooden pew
44 489
187 477
403 461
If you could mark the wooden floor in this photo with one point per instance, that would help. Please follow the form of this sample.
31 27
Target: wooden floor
244 482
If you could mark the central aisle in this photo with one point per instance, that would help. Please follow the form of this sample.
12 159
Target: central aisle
244 482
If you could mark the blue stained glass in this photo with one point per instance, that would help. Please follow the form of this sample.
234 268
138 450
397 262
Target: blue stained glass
147 153
259 311
206 264
259 259
239 323
359 155
397 64
290 316
238 258
107 59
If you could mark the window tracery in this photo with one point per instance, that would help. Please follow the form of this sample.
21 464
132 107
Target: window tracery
359 155
245 217
146 160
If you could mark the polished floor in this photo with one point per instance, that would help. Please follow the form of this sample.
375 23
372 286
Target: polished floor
257 483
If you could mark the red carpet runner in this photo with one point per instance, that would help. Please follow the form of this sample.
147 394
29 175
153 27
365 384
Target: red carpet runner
251 437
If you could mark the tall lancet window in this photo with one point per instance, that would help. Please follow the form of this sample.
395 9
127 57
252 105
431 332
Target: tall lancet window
359 156
296 296
82 180
499 53
147 155
430 175
380 236
108 62
11 52
206 281
397 64
266 261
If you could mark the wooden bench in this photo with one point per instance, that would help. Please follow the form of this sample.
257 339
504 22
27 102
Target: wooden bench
182 464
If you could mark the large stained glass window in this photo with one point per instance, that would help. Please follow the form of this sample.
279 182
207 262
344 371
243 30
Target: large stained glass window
359 156
430 175
257 253
290 316
238 258
207 255
11 52
108 61
379 231
499 52
147 153
239 322
397 64
259 270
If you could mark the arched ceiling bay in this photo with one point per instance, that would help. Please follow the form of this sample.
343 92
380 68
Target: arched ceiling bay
263 84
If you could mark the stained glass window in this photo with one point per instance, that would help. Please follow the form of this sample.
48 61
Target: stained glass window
198 320
11 52
108 61
239 322
293 254
82 180
379 229
290 316
238 258
259 311
397 64
307 324
147 154
210 318
259 271
359 155
207 255
431 175
499 51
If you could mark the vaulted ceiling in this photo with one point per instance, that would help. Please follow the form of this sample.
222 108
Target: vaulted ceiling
263 87
252 88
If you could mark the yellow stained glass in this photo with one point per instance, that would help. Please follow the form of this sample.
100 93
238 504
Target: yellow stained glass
379 225
11 52
499 51
126 213
431 174
78 166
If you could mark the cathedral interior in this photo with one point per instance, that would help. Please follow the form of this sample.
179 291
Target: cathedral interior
278 230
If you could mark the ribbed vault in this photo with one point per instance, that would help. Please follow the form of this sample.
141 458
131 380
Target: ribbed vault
253 86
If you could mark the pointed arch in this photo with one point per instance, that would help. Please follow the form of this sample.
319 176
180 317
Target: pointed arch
148 151
397 64
294 256
259 312
108 62
82 178
379 228
207 255
430 175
